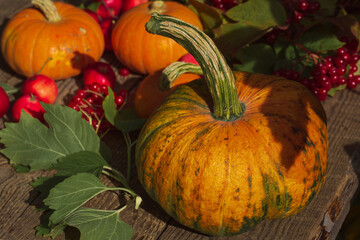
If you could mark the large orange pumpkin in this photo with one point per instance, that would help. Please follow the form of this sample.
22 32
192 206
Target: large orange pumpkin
60 40
140 51
228 151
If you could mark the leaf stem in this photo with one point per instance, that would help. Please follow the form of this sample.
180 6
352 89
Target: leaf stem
129 144
115 175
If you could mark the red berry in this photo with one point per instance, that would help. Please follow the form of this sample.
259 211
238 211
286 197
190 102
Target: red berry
342 80
104 90
77 99
119 100
353 68
80 93
354 58
5 103
94 87
339 62
123 93
346 57
341 70
322 94
298 16
352 83
303 5
341 51
313 6
74 106
357 79
124 72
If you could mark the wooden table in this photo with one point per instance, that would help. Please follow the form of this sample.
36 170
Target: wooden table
322 219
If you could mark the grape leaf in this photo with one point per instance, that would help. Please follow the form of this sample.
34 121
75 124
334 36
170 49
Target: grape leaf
230 37
31 143
319 40
44 184
97 224
71 193
72 164
8 88
79 162
125 120
264 13
327 7
252 58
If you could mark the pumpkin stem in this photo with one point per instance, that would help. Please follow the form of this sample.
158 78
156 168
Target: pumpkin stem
217 73
48 8
157 6
174 70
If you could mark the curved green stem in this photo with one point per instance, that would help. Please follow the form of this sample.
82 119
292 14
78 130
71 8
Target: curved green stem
174 70
217 73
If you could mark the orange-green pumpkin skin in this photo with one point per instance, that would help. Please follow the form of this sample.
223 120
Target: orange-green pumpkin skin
224 177
141 51
29 40
149 96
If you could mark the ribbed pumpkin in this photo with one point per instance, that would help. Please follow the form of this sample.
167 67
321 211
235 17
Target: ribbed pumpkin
140 51
228 151
64 34
149 95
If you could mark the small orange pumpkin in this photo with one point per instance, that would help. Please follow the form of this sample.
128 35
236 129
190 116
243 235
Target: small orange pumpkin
149 96
140 51
227 151
63 34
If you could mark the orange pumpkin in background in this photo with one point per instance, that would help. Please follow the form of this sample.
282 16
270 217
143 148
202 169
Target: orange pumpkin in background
149 96
142 52
60 40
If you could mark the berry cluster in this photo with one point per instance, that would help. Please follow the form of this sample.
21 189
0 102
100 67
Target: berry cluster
297 10
332 71
89 102
300 9
224 4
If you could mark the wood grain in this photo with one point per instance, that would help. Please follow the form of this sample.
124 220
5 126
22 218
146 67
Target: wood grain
18 200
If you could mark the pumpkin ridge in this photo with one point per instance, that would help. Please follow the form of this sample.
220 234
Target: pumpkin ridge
31 55
25 25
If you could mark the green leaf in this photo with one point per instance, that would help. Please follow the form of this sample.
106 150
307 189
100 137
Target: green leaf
319 40
105 151
46 229
80 162
262 13
332 91
125 120
31 143
99 224
210 17
8 88
73 192
327 7
44 184
93 6
252 58
230 37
